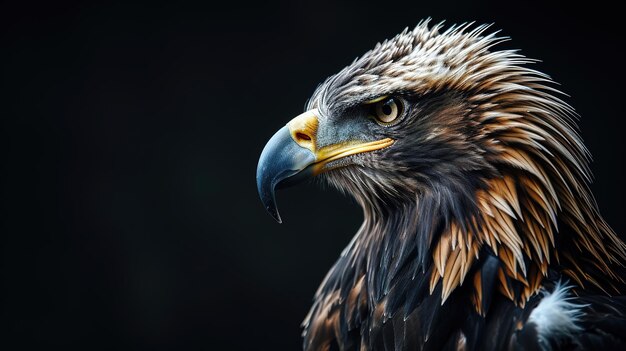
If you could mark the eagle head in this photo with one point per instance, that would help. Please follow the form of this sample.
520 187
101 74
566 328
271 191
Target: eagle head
413 115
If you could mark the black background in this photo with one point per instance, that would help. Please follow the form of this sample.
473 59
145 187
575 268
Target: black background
130 137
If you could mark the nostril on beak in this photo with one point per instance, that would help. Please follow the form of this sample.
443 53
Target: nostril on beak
302 137
303 129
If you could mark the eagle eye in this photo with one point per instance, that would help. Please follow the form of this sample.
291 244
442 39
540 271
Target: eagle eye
387 110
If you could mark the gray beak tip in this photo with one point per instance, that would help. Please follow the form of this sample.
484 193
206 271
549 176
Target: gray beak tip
281 163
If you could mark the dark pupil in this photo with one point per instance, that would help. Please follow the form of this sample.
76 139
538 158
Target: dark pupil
387 108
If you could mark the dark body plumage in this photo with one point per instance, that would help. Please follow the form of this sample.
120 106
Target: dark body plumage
480 231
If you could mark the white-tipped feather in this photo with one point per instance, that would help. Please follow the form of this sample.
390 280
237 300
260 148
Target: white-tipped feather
556 317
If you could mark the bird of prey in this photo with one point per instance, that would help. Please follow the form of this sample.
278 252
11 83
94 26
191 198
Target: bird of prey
480 231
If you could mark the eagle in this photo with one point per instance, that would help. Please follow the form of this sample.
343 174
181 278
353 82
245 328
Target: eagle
480 231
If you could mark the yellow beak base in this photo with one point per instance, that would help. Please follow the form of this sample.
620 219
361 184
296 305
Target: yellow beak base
303 130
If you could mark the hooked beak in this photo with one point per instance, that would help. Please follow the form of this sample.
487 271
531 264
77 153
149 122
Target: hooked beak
292 155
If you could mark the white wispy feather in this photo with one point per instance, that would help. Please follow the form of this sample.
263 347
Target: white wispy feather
556 316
